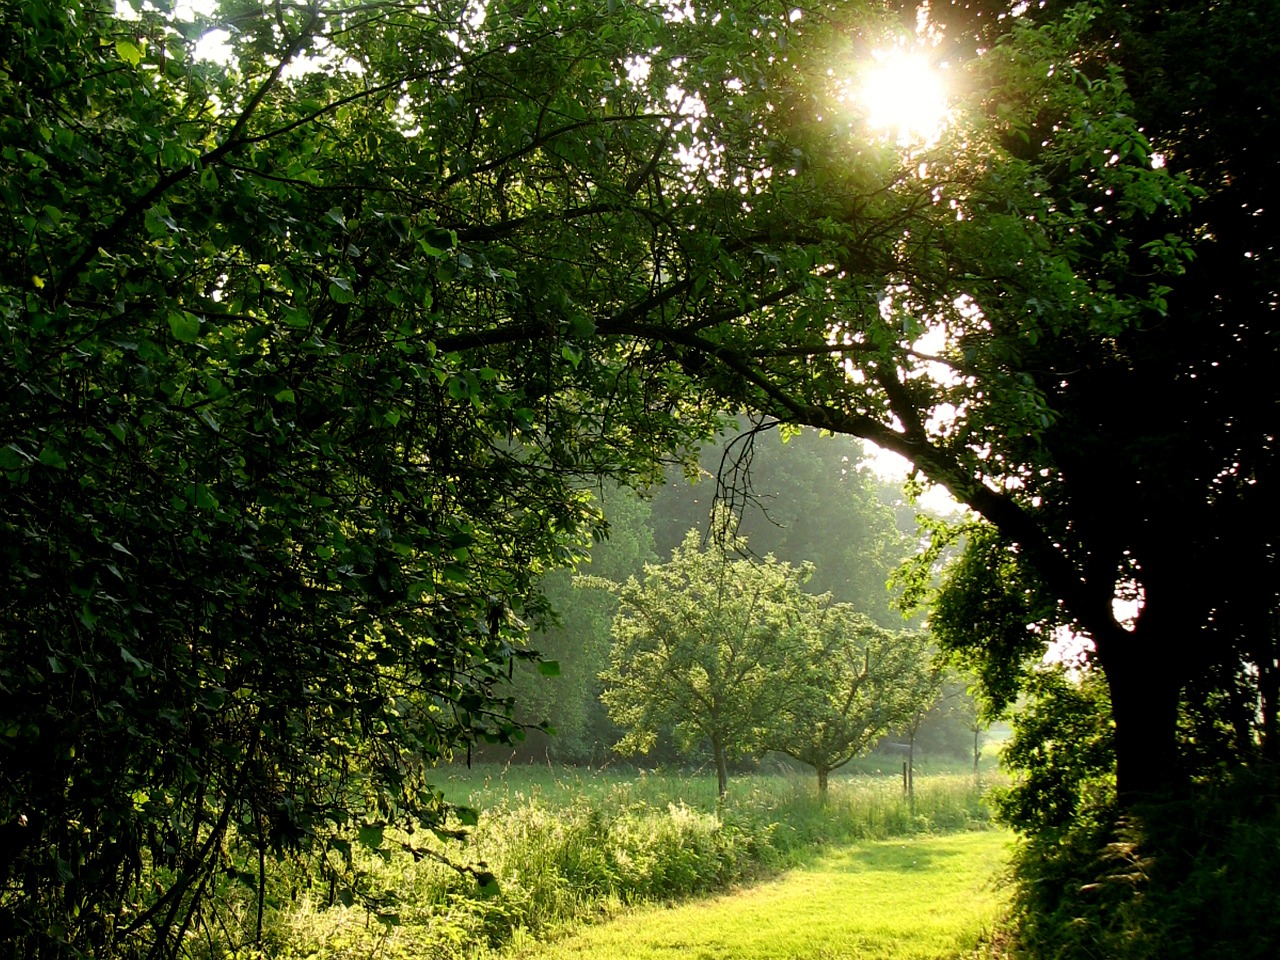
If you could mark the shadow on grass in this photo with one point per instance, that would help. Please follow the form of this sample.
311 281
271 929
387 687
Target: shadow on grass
897 856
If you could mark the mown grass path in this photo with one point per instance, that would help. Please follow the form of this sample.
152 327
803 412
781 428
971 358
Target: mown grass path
922 898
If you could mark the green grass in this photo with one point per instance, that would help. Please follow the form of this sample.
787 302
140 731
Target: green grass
484 783
914 898
568 847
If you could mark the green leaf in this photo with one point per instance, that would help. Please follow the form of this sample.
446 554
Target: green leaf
201 496
52 458
11 458
549 668
370 836
185 326
140 668
340 290
128 51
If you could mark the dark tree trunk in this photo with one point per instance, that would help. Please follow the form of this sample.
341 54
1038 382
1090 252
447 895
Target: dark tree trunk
722 767
1144 689
822 785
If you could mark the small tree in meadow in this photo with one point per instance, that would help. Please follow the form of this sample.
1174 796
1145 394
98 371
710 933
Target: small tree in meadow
708 646
860 680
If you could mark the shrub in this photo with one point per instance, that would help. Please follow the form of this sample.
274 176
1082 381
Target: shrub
1180 880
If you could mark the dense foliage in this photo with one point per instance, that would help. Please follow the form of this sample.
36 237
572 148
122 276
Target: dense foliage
1128 395
267 536
735 653
710 646
859 681
306 354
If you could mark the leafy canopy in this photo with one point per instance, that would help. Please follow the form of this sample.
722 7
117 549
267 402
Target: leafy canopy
274 508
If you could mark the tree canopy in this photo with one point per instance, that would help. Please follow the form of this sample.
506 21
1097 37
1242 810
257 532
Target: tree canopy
268 534
736 654
306 353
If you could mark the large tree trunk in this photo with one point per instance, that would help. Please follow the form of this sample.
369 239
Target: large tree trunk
823 772
1145 687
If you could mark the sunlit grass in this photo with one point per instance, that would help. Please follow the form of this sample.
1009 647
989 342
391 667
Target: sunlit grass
914 897
569 847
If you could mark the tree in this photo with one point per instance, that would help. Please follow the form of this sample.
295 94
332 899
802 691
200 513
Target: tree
268 535
1063 748
860 682
306 355
708 645
1068 241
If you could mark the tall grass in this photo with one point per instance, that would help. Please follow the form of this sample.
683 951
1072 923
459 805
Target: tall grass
897 899
566 847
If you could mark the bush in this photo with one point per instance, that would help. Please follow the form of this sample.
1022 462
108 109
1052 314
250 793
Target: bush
1184 880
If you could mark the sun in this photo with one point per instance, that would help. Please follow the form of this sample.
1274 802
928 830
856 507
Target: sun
904 95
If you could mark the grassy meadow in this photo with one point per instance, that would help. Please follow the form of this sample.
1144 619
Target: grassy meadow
568 847
921 897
